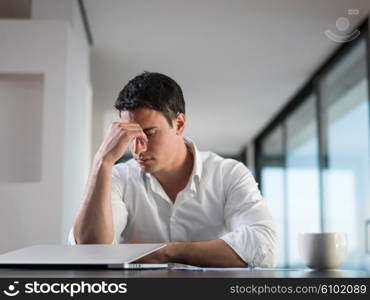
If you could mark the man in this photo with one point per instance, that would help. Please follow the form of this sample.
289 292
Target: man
208 210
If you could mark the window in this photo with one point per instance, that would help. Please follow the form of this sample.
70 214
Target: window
313 159
272 161
302 167
346 178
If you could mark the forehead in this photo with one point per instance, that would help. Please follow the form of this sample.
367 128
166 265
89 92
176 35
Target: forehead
143 116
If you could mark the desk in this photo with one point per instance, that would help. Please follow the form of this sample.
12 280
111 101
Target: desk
164 273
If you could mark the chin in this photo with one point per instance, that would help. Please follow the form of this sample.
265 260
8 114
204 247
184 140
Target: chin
149 169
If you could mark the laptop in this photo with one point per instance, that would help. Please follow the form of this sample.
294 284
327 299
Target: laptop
121 256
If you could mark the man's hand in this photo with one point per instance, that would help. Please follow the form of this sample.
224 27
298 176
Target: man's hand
117 139
158 257
213 253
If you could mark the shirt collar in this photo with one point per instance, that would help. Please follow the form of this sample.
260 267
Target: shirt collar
197 164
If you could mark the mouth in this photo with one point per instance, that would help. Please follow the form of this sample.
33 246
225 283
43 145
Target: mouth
144 161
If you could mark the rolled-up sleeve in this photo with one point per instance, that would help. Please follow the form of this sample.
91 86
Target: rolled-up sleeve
251 230
119 210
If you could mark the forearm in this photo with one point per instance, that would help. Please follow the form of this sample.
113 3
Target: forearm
94 222
214 253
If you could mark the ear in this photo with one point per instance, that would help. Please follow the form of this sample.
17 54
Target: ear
179 123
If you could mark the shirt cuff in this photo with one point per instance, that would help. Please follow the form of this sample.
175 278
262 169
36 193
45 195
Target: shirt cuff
249 247
229 240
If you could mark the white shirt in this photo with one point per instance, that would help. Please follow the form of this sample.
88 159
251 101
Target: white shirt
220 201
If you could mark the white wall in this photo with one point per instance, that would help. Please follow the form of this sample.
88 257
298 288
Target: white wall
40 212
78 120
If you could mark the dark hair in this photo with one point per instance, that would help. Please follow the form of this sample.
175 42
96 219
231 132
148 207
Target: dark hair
155 91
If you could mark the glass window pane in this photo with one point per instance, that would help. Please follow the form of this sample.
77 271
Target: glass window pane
346 177
302 167
272 180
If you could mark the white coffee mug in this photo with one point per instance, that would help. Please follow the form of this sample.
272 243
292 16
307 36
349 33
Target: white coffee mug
322 250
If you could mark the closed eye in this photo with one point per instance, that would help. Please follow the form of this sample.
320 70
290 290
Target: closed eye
150 132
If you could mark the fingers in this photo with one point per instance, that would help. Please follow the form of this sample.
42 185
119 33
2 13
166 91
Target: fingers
134 130
137 135
138 145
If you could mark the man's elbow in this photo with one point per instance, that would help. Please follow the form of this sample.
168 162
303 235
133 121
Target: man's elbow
88 238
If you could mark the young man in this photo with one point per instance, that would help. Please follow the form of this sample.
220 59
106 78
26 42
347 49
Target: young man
208 210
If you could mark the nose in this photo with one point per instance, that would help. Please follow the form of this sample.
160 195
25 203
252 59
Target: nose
138 146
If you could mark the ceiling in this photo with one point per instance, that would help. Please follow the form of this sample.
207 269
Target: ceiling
238 62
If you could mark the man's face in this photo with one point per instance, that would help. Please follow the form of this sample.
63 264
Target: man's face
163 140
